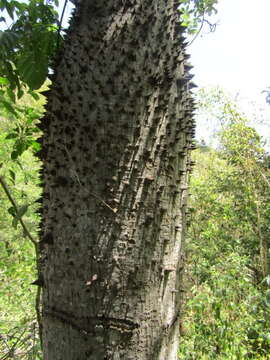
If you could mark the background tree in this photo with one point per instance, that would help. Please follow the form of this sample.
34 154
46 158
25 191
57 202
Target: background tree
227 312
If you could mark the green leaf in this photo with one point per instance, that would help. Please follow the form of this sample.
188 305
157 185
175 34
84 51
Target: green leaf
15 223
9 107
10 9
11 136
14 155
11 95
21 211
4 81
17 215
9 40
12 211
13 176
35 145
33 70
20 146
34 95
20 93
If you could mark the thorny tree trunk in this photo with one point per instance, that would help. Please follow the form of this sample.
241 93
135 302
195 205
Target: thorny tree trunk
117 135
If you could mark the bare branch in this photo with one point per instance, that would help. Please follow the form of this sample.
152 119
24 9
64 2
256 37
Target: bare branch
12 201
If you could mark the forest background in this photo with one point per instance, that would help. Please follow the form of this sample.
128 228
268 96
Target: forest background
227 271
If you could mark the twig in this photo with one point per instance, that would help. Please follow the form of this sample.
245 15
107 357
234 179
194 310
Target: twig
198 32
26 231
211 26
11 349
60 24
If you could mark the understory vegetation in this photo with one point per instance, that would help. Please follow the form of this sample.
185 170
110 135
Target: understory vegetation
226 314
19 177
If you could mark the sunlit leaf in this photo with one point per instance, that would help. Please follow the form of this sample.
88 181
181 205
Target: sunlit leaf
4 81
21 211
9 107
12 176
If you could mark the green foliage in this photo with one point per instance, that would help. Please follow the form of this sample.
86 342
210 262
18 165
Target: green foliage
28 44
19 331
227 313
195 12
22 132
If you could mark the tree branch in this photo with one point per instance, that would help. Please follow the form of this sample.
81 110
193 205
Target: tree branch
12 201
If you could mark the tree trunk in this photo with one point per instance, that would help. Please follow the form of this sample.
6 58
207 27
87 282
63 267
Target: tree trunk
117 135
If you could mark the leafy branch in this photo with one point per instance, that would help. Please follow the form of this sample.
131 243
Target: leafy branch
29 44
194 14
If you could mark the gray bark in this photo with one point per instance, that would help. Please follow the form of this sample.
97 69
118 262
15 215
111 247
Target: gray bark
117 135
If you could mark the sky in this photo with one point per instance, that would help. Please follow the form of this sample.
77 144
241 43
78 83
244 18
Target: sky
237 55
